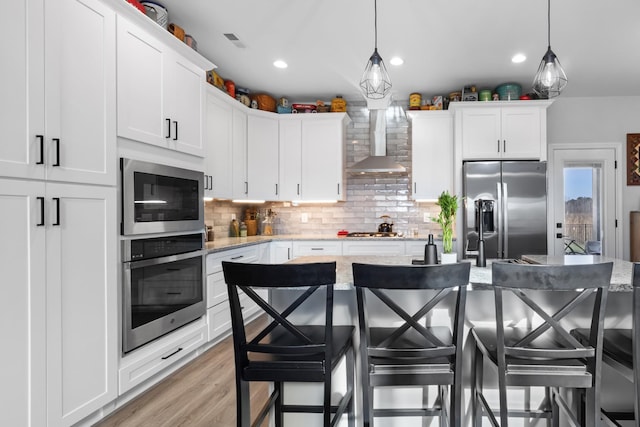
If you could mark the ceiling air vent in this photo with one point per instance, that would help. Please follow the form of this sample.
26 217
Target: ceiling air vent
235 40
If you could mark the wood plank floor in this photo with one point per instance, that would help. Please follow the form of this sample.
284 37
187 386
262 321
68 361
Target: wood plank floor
202 393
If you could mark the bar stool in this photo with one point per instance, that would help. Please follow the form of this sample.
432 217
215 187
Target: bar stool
412 352
621 351
544 355
284 351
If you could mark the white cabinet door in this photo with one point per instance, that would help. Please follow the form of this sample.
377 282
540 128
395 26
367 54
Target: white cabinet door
280 252
431 153
219 144
82 337
184 100
522 133
80 91
140 86
323 158
481 134
291 158
60 121
22 87
262 156
226 144
160 93
239 179
23 304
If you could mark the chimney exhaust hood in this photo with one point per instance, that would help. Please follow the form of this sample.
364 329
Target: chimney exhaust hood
378 161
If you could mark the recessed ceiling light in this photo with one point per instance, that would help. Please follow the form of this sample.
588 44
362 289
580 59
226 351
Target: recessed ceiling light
518 58
396 61
280 64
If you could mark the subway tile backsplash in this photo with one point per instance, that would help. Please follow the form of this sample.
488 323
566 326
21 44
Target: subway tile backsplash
368 197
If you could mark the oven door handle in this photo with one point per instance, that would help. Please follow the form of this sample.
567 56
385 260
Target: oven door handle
164 259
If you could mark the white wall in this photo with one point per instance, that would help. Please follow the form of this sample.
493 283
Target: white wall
595 120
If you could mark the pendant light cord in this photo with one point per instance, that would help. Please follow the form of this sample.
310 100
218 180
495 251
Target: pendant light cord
549 23
375 22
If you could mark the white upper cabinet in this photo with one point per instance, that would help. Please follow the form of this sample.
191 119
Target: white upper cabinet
161 93
226 145
60 121
502 130
262 156
312 156
431 153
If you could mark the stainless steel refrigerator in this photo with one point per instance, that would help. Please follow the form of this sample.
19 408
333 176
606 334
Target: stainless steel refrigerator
507 202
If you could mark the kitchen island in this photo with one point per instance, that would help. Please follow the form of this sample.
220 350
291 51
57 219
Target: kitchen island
479 310
480 277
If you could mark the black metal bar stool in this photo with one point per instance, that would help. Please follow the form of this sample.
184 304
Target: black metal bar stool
403 349
621 351
544 355
287 352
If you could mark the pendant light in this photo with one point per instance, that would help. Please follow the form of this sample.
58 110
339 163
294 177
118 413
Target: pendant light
550 79
375 82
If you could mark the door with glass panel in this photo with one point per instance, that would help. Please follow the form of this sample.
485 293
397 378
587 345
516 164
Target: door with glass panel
584 201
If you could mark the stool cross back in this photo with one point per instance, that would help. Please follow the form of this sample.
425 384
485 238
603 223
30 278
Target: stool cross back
544 355
399 347
621 351
286 350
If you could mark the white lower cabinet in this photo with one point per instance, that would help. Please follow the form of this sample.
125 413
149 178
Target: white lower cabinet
218 312
58 257
373 247
158 355
280 252
316 247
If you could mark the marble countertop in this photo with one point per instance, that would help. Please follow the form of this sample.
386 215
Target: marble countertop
479 277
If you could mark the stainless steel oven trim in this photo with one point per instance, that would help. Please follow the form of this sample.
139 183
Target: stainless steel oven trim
129 226
159 327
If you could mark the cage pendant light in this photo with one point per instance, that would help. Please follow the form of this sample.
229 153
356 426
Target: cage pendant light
550 79
375 82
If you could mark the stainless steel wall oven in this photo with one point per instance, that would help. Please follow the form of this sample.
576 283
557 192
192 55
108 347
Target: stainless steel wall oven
164 286
159 198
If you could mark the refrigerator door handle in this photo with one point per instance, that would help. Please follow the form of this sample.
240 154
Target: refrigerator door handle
505 218
500 212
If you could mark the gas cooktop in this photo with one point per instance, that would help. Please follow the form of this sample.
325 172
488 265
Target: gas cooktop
372 234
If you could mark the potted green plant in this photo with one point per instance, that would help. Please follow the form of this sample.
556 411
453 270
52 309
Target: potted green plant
446 218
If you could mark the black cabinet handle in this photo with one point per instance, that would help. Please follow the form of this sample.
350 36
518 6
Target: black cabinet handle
57 142
237 257
57 200
211 185
498 146
246 187
175 122
41 223
168 128
41 142
504 145
276 189
169 355
298 189
338 189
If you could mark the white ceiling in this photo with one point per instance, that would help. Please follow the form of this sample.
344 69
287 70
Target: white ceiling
445 44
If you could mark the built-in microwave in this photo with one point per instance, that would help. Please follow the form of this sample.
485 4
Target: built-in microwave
160 198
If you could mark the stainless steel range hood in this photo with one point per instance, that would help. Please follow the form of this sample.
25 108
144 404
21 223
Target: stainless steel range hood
378 161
